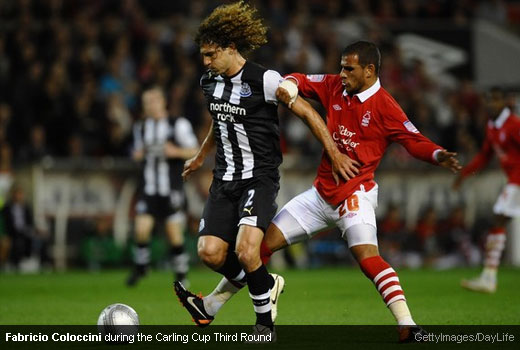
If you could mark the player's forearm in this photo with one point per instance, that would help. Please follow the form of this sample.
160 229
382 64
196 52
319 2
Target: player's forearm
313 120
478 163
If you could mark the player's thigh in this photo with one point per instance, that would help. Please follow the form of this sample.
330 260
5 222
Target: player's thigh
356 218
257 204
508 203
219 217
299 219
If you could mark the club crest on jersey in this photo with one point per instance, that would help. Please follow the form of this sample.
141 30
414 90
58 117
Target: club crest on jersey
410 127
366 119
336 107
316 78
245 90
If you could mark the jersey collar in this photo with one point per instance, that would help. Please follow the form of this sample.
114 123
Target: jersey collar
502 117
365 95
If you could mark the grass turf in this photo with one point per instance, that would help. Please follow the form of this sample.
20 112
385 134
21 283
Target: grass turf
333 296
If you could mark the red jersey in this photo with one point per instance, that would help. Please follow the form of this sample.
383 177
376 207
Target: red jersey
502 138
362 127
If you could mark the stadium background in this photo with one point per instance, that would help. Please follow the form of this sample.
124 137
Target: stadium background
71 73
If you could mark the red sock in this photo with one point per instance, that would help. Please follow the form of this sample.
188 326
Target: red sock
384 277
265 253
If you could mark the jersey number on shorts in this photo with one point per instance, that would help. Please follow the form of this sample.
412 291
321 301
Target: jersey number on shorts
352 203
251 194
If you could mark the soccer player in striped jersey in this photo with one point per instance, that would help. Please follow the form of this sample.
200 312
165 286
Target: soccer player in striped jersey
241 97
503 139
161 144
363 119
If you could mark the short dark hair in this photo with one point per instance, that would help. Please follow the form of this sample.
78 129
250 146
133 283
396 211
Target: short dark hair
367 52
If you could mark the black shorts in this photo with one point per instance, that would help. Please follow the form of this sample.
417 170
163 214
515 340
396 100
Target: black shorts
161 207
234 203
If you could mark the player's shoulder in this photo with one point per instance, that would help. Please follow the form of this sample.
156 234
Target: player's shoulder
254 68
385 101
256 73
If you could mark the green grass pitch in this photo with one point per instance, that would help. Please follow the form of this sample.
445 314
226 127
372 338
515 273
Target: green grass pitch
332 296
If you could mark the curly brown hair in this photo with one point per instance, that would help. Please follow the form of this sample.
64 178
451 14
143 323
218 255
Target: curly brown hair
233 24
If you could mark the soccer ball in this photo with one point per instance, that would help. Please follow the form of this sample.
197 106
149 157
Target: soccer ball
118 319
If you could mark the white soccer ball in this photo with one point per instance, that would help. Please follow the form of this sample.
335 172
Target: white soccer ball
118 319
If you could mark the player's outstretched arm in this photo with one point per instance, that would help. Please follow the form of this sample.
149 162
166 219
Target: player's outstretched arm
447 160
193 164
342 165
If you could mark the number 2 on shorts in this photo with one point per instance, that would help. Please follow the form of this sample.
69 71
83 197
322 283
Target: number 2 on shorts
249 202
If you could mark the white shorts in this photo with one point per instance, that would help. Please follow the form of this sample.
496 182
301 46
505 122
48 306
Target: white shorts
310 213
508 203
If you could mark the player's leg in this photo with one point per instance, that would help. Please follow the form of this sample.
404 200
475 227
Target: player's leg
357 222
225 289
493 248
506 207
257 207
174 217
178 257
258 280
284 230
215 247
141 252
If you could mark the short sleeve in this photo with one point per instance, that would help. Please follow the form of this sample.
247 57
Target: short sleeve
184 135
271 81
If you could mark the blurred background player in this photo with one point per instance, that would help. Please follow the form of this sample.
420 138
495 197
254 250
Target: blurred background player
503 139
162 143
241 97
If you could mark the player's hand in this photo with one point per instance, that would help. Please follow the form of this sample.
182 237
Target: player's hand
344 166
283 96
172 151
447 160
191 165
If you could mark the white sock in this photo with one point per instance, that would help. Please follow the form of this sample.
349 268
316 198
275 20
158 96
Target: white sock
222 293
401 313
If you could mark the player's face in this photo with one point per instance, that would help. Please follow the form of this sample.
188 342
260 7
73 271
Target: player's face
352 74
153 103
215 58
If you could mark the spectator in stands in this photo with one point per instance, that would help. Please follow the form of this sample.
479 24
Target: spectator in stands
28 246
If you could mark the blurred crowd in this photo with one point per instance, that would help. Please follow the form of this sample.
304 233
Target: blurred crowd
71 72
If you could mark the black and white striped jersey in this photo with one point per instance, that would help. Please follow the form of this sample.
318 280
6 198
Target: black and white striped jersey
161 175
245 122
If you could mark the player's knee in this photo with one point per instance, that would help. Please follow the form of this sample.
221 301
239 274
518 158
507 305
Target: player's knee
249 256
212 256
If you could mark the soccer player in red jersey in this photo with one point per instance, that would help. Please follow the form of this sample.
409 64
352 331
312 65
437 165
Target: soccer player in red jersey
363 120
502 138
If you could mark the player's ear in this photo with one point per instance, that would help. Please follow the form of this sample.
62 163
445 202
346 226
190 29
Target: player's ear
370 70
233 48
